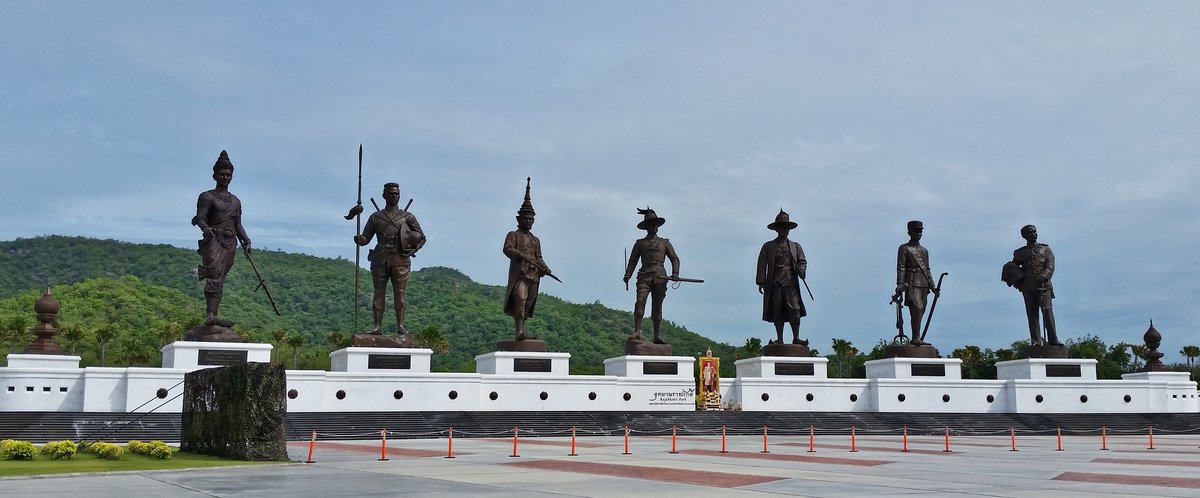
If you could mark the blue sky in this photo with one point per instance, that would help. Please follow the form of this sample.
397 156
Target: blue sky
1079 117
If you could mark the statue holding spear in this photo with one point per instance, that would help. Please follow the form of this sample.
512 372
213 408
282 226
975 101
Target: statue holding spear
356 214
398 238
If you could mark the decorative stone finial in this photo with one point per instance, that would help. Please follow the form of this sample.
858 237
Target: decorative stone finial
46 309
1153 355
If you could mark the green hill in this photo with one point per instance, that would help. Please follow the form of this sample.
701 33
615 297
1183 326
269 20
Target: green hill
140 290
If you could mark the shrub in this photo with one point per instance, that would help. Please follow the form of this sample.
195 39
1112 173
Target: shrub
17 450
59 450
161 451
106 450
157 449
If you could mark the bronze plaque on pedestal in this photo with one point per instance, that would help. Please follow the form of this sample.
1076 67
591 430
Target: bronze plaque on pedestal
531 364
1063 371
389 362
794 369
928 369
221 357
660 368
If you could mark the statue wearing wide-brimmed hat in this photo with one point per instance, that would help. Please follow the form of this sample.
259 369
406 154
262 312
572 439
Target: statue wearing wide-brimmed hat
781 268
652 277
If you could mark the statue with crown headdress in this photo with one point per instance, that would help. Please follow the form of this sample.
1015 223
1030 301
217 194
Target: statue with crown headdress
525 271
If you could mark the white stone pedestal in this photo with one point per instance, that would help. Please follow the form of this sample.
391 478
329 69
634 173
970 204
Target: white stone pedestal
658 367
1165 392
524 363
193 355
932 385
1161 377
787 367
656 383
42 361
1047 369
940 369
382 360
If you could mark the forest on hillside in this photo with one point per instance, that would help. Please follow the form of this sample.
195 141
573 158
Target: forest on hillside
123 301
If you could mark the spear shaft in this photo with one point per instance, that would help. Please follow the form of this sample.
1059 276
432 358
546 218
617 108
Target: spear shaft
357 231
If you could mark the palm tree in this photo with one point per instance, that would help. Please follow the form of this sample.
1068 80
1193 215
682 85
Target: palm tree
1139 353
295 341
432 338
103 336
278 335
131 351
845 351
1191 352
752 348
337 340
168 333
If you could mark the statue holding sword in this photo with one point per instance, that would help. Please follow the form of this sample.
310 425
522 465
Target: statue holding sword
652 251
914 282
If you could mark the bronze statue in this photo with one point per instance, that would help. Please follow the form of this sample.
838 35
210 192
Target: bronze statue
219 216
525 268
781 268
399 237
1030 272
913 280
652 278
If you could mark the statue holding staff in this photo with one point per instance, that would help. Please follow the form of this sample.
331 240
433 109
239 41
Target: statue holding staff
219 217
914 281
781 268
399 237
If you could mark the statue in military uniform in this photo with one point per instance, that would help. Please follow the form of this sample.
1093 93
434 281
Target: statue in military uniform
219 217
525 269
781 266
652 278
399 237
1030 271
913 278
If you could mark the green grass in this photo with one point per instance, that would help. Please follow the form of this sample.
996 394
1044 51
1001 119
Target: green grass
82 462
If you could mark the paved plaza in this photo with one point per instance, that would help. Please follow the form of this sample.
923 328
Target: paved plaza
975 466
